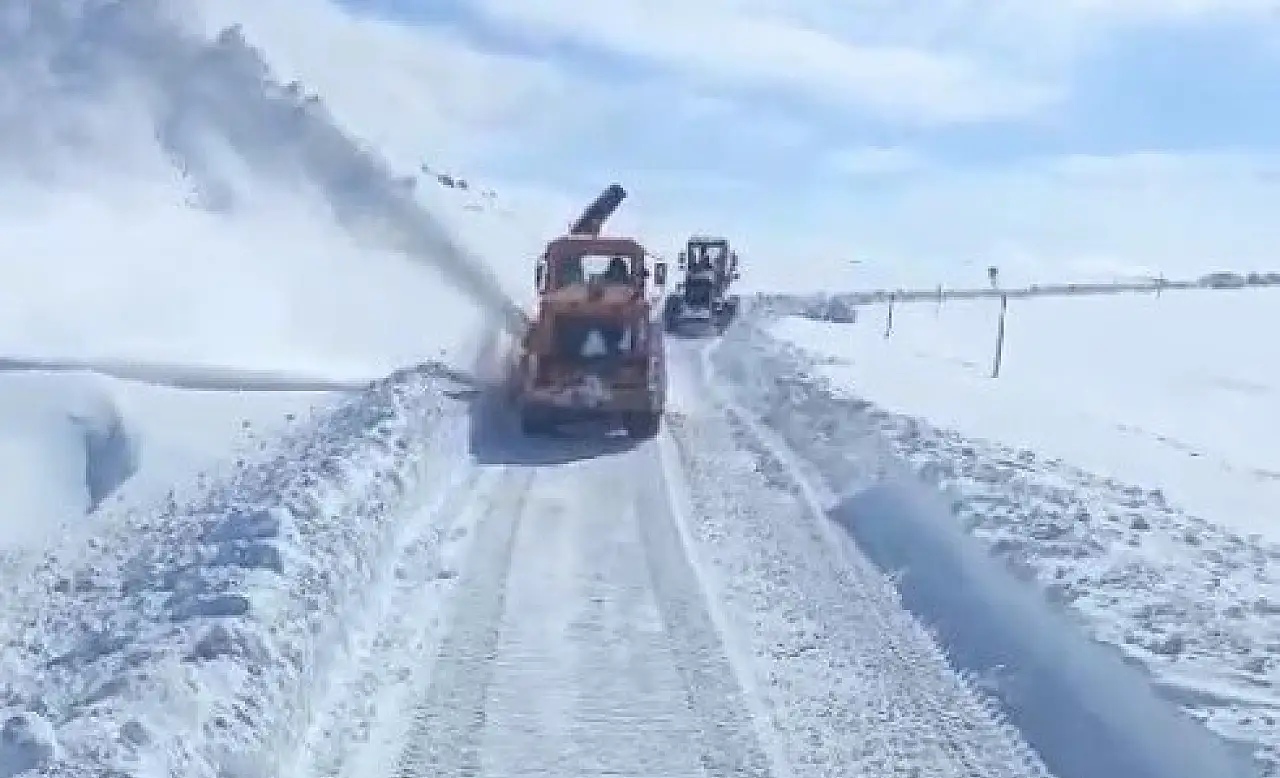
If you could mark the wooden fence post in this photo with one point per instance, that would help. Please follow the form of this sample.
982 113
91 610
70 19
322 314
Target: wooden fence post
1004 307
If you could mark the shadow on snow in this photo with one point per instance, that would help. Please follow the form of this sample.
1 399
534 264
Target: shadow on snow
496 439
1087 712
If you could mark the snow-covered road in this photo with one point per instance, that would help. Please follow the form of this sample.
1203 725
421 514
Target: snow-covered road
576 645
585 606
568 634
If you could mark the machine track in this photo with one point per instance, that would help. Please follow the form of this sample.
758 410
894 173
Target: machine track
579 642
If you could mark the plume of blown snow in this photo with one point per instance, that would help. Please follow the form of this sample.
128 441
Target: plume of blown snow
94 93
278 288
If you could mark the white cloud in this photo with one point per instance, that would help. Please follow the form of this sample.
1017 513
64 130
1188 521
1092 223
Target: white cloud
1057 216
415 91
1038 41
1168 10
924 62
729 45
1158 168
1051 218
875 161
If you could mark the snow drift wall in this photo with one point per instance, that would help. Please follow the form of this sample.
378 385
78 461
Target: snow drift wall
1087 713
187 641
64 448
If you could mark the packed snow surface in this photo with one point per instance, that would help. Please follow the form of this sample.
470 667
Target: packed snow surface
1179 392
1121 461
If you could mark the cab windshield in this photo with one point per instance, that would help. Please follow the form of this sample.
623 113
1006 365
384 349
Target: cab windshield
594 268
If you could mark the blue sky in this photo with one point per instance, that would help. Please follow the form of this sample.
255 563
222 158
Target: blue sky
808 109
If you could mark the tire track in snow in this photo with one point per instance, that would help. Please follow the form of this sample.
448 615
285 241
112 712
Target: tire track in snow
584 680
581 643
444 737
853 684
731 745
855 687
357 717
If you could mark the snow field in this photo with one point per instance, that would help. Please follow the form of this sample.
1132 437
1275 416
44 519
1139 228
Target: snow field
176 216
1184 597
141 239
166 297
195 638
1177 393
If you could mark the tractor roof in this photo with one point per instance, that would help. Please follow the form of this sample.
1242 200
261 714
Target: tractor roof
578 245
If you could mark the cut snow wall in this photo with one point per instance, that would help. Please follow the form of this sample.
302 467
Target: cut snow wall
188 640
64 448
1086 712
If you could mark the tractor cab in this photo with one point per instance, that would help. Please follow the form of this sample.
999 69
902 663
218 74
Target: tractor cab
702 297
709 254
592 348
605 266
593 306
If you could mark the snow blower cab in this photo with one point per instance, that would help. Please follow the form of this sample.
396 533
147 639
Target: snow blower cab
592 350
702 299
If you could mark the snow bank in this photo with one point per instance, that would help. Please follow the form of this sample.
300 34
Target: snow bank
1098 548
1124 461
71 440
64 447
1085 712
188 640
186 436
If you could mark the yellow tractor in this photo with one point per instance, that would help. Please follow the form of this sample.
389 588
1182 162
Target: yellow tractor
593 349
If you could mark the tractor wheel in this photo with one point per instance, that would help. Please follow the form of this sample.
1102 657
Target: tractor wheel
643 425
671 314
720 320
